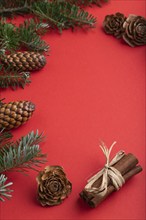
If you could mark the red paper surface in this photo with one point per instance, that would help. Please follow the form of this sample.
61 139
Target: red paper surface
92 88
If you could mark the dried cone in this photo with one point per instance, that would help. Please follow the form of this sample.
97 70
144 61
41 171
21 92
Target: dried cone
135 30
53 186
14 114
113 24
24 61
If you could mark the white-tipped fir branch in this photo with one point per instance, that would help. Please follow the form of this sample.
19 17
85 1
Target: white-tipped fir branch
22 155
5 191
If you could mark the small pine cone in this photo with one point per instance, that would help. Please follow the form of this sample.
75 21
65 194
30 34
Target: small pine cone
135 30
113 24
53 186
14 114
24 61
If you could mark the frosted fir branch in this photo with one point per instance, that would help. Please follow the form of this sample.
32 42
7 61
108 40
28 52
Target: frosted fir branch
23 155
5 191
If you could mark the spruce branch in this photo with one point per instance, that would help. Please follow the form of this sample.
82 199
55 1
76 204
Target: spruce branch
57 15
5 137
83 2
63 15
26 36
14 80
9 38
4 188
22 155
29 33
9 8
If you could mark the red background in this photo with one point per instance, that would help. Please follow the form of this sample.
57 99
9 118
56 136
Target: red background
92 88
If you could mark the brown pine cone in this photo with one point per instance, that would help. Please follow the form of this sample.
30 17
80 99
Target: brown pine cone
14 114
24 61
135 30
53 186
113 24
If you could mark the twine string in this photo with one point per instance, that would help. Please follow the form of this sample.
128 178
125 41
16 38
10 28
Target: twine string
108 173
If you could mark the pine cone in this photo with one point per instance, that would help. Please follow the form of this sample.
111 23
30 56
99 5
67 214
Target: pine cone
14 114
53 186
113 24
135 30
24 61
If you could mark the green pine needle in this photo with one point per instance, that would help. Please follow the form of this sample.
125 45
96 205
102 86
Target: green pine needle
26 36
23 155
4 188
8 8
14 80
84 2
63 15
9 38
29 33
47 15
5 137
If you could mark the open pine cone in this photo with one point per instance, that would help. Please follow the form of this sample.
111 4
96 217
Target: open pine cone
135 30
53 186
113 24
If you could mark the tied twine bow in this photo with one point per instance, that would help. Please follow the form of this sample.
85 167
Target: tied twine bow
108 173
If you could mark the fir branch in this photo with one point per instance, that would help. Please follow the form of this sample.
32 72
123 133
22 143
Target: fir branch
36 25
78 17
29 37
9 12
50 12
26 36
63 15
83 2
4 188
5 137
23 155
9 39
9 8
14 80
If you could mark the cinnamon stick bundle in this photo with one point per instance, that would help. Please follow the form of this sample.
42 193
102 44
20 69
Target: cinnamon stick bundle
127 166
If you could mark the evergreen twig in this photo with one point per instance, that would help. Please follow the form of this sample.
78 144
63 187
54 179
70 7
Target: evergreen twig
8 8
26 36
9 38
83 2
63 15
14 80
5 137
4 188
23 155
58 14
13 7
29 33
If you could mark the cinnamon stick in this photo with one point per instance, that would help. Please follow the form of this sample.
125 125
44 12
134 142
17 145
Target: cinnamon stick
96 200
126 166
126 163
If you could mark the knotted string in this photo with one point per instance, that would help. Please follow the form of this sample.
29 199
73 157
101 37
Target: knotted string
108 173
